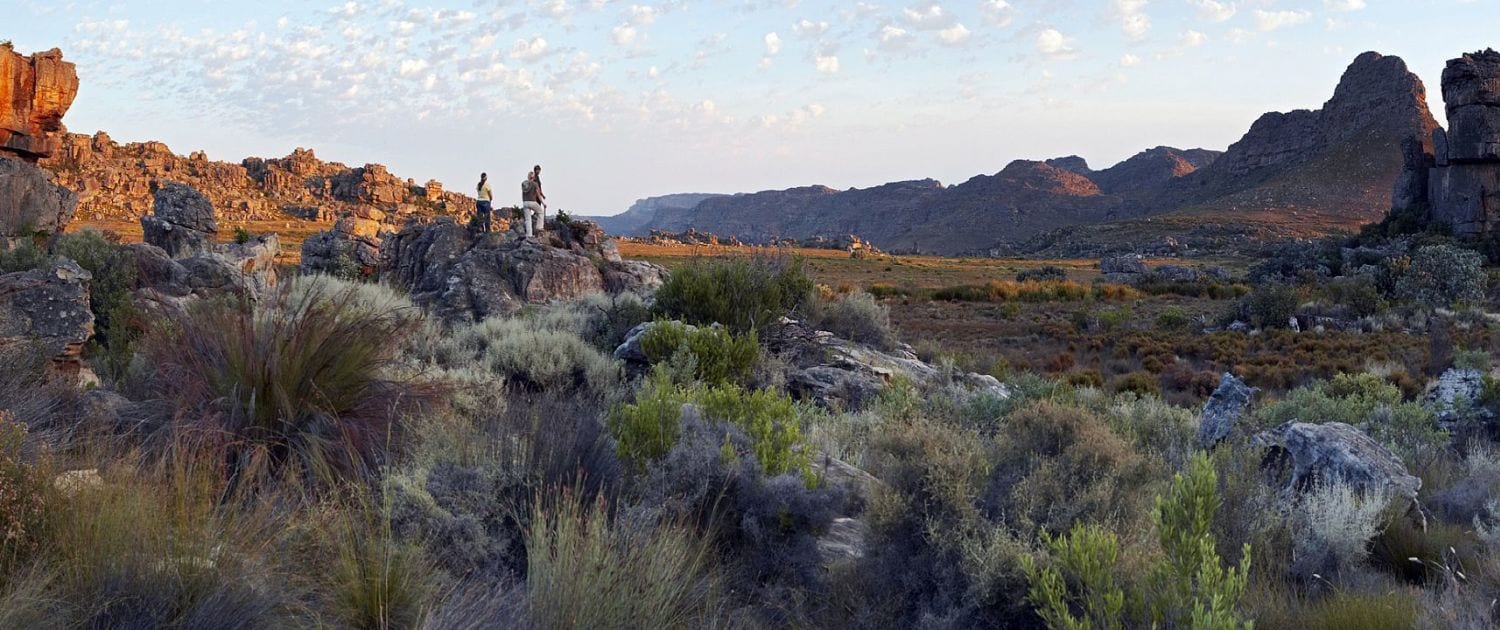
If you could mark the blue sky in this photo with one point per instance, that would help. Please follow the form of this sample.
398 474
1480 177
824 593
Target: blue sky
624 99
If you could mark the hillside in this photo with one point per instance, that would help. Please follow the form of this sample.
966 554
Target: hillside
636 220
1292 174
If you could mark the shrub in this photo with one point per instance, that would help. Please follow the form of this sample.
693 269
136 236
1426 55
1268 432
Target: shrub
114 277
1045 272
741 293
23 255
528 355
716 356
1332 526
1057 466
293 379
1366 611
584 572
601 319
1365 401
1441 275
1173 319
241 235
22 490
1140 383
1270 306
646 429
378 581
855 316
1187 587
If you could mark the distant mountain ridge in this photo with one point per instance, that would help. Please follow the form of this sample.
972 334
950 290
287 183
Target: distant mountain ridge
1331 168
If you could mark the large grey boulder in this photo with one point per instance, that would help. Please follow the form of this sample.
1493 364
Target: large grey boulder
165 284
464 276
1224 409
1334 451
1455 397
181 221
47 308
1124 268
30 204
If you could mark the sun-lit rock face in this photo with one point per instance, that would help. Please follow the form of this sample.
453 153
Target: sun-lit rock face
35 93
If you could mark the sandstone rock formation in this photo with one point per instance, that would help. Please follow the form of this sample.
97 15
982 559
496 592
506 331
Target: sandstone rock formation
30 204
1454 178
1455 397
35 92
465 276
116 181
353 241
1335 451
48 307
1224 409
181 222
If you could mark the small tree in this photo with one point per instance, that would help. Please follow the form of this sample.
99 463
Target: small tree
1440 275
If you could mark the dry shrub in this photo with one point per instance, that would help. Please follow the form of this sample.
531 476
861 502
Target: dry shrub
1057 466
302 378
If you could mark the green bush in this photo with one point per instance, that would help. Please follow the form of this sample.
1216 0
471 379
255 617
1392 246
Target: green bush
1365 401
1140 383
741 293
528 355
1441 275
715 355
1188 587
1271 305
114 277
1173 319
646 429
23 255
1045 272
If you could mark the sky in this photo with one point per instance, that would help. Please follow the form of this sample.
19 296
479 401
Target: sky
624 99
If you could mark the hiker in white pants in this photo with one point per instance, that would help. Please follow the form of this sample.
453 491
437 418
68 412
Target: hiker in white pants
531 205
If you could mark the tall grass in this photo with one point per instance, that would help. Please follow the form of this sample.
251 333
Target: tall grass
585 572
303 378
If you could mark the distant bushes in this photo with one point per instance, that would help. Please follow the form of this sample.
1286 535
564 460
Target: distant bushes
1042 274
598 318
739 292
1270 306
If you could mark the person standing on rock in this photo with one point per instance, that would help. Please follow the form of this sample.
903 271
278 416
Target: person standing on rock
541 197
531 203
484 198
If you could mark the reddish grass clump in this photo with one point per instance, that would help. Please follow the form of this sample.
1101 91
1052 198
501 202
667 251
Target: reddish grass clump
297 379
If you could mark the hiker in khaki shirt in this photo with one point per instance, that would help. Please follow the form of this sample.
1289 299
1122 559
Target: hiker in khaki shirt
483 201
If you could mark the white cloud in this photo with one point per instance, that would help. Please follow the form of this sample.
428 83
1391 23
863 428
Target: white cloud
893 37
1214 11
1192 39
997 12
1132 17
623 35
954 35
773 44
642 15
826 64
931 17
809 29
529 50
410 67
1129 61
1054 45
1267 21
1344 5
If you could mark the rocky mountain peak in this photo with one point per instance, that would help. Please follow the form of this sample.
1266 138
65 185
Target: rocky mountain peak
1046 177
1376 90
1071 163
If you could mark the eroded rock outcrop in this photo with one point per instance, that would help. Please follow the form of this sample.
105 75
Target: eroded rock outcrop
1453 177
1224 409
115 181
30 204
35 93
181 222
465 276
48 307
1334 451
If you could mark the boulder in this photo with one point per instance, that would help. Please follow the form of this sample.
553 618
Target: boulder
165 284
35 93
1321 453
466 276
1471 95
30 204
1176 273
1224 409
48 307
182 221
1455 397
1125 264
